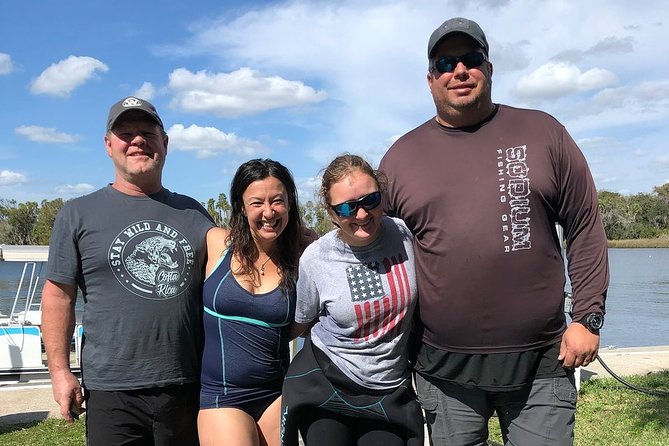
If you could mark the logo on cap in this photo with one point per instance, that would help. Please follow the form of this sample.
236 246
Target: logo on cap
132 102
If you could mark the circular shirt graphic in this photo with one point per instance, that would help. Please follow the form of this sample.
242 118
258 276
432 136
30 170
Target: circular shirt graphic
152 260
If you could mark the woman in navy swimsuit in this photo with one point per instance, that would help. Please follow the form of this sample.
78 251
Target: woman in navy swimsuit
249 303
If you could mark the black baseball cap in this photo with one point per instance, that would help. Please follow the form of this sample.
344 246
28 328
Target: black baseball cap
132 103
457 25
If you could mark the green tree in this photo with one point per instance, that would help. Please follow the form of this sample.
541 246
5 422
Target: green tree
609 208
316 217
23 220
662 192
211 209
47 215
5 227
223 208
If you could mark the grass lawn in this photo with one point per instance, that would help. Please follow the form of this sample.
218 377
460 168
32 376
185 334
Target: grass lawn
608 414
660 242
51 432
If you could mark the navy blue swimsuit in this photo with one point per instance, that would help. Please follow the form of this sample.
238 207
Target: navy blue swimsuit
246 349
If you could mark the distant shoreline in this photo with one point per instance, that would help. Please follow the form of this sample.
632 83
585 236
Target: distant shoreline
661 242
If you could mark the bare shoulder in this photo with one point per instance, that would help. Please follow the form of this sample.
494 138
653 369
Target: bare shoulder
217 239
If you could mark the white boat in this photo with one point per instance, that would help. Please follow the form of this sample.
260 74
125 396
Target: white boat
21 348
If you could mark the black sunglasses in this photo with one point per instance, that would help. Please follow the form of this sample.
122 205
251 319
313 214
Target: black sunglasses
447 64
348 208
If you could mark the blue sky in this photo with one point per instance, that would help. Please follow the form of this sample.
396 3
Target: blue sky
302 81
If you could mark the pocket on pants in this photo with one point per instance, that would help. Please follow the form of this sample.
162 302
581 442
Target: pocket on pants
565 389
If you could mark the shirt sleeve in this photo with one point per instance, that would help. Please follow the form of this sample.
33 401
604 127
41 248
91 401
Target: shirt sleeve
308 300
63 263
587 251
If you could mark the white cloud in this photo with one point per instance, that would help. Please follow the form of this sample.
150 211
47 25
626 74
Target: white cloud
645 102
146 91
210 141
612 45
511 56
238 93
307 188
9 178
6 65
594 142
45 134
61 78
647 94
557 79
603 179
75 190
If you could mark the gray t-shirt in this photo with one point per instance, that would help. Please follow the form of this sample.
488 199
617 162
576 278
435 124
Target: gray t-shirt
364 300
139 264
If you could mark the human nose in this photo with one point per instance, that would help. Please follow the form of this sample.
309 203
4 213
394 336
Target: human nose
361 213
137 140
460 70
267 210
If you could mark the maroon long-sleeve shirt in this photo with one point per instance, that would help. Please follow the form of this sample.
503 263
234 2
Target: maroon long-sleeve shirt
482 203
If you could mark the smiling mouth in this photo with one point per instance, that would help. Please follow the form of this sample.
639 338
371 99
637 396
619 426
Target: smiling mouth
462 87
363 224
268 225
146 154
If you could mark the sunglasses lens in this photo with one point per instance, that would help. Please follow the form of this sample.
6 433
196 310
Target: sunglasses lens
345 209
371 201
446 64
368 202
470 60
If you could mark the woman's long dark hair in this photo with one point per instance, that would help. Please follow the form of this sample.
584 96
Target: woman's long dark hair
241 240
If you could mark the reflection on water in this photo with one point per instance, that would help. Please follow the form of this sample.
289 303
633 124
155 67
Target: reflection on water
637 307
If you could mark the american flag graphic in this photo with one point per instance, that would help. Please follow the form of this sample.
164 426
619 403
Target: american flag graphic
379 313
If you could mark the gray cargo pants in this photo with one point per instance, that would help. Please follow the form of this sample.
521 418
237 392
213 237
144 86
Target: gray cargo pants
540 415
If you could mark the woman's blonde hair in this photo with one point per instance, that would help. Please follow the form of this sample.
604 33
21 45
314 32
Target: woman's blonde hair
342 166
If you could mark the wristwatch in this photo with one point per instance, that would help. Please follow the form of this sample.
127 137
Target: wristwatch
593 322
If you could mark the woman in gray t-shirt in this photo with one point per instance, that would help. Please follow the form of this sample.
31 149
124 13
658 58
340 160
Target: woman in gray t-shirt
351 382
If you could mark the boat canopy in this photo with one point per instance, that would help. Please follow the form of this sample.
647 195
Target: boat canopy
24 253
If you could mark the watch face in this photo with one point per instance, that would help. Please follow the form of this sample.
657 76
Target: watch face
594 321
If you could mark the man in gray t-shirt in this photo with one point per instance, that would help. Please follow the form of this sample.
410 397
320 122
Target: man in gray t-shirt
136 251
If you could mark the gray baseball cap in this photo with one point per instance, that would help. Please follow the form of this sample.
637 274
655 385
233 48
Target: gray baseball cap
132 103
457 25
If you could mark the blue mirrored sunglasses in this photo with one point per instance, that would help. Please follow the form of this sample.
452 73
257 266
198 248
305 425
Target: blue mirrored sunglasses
470 60
348 208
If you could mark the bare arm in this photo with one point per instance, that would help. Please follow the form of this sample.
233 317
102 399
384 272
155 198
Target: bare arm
58 301
297 329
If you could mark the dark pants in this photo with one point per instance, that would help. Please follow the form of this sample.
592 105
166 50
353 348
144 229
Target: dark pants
324 428
330 409
159 416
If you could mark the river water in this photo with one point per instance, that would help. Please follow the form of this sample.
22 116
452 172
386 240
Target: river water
637 307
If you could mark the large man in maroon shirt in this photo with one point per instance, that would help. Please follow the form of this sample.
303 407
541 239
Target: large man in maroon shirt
482 186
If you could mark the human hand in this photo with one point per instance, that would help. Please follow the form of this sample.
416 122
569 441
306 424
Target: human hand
67 393
579 346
